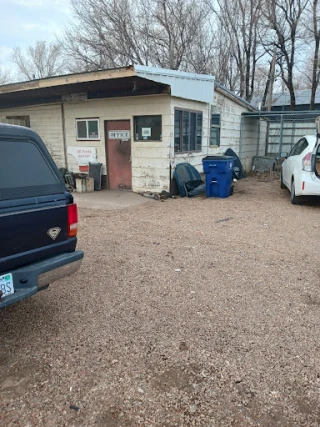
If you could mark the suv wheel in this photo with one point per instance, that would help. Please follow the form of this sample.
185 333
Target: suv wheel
281 182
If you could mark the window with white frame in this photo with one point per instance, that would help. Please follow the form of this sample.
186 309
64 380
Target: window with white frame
187 130
215 130
88 129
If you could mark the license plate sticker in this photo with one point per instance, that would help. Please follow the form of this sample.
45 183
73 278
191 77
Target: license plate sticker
6 284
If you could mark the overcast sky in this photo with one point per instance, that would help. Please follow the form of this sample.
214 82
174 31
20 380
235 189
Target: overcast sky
25 21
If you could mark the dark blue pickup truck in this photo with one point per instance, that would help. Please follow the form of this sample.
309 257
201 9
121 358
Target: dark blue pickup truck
38 219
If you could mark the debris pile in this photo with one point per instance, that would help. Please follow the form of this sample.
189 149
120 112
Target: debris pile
164 195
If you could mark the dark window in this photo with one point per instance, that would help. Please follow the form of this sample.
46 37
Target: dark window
293 149
148 128
177 130
88 129
187 131
24 170
19 120
302 147
215 130
299 147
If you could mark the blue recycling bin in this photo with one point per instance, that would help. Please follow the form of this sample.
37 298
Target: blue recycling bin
218 170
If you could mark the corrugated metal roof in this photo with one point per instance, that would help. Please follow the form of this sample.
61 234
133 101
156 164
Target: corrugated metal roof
283 99
302 98
197 87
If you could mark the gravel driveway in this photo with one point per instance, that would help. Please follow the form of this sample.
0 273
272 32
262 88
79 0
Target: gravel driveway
191 312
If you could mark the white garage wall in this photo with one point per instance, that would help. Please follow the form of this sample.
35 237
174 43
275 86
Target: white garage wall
46 120
150 159
230 131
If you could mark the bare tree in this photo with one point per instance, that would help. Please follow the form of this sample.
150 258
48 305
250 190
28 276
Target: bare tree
241 21
178 36
44 59
5 74
111 33
285 18
107 33
316 60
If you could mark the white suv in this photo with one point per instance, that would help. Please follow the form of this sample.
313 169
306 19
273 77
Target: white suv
300 172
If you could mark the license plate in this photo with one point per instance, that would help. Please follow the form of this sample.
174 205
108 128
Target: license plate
6 284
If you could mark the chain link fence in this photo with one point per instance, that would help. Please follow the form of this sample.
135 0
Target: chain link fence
281 130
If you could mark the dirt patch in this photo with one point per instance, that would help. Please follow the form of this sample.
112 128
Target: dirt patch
191 312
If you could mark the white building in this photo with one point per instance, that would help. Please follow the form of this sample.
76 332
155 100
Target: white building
138 121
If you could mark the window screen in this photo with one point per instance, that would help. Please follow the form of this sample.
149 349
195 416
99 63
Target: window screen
24 171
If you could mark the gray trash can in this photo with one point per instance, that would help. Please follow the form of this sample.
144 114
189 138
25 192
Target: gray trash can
95 172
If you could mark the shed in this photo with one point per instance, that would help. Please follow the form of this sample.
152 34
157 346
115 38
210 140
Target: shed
137 121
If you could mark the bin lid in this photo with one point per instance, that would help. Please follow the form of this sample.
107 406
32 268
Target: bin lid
217 158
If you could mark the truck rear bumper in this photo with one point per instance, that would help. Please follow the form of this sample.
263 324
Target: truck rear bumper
30 279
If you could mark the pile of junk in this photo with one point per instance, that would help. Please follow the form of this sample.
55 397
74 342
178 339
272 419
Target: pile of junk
82 182
220 173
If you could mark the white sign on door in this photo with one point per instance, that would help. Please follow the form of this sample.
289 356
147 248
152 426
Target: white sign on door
119 134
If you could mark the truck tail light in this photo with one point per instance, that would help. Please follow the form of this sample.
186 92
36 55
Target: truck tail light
72 220
306 162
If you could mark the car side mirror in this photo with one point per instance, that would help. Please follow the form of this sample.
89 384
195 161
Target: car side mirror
284 155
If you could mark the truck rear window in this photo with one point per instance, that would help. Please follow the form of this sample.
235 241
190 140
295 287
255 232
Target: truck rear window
25 172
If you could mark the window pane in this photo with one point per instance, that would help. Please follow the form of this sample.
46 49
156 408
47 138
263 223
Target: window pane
177 130
93 129
215 136
193 129
185 139
82 129
215 130
293 149
148 128
23 167
215 119
302 146
297 147
199 132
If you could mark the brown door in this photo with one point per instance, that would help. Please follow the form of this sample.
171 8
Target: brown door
118 150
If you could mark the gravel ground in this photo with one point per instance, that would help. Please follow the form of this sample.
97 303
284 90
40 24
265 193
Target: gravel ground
190 312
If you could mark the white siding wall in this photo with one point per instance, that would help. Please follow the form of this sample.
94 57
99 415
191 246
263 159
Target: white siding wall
46 120
253 142
230 112
150 159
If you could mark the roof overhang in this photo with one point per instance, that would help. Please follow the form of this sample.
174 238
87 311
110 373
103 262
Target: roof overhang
196 87
118 82
233 97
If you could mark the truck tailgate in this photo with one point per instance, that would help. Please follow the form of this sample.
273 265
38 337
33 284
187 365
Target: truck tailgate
34 232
